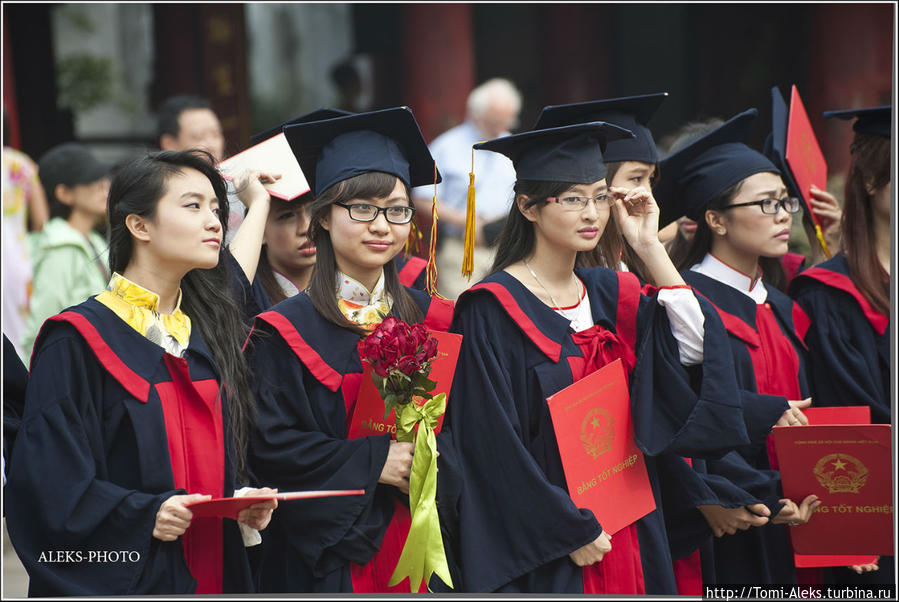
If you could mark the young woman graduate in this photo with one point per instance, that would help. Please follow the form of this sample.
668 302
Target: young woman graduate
738 199
537 324
306 364
630 162
271 255
139 404
847 298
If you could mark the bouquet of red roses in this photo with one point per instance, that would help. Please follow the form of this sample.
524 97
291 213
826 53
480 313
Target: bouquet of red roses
401 357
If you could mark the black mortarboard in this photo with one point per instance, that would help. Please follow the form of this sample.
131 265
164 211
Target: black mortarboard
695 174
317 115
632 113
572 153
875 120
388 140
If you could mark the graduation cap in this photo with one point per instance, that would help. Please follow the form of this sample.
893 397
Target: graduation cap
571 153
695 174
776 150
875 120
388 140
317 115
630 112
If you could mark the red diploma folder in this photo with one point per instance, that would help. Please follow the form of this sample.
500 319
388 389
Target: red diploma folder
229 507
835 415
368 412
804 156
849 468
604 469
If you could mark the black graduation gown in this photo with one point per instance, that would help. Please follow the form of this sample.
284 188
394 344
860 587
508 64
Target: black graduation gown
848 341
307 373
759 555
91 465
15 378
849 360
517 523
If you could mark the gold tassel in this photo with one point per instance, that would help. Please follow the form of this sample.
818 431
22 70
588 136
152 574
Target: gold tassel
413 241
431 269
468 256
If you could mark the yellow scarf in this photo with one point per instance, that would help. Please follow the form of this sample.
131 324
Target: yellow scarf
139 308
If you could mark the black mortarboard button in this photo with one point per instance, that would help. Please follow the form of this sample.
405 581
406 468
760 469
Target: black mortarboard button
875 120
632 113
572 153
316 115
695 174
388 141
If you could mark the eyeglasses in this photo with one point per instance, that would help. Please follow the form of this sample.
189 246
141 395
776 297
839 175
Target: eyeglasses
772 206
577 203
365 212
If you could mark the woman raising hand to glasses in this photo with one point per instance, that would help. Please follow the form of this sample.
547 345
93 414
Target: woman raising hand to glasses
540 323
744 216
307 369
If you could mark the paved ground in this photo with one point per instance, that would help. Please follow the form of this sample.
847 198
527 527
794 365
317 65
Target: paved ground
15 579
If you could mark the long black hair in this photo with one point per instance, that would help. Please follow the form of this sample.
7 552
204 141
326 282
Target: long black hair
323 284
136 189
869 170
702 242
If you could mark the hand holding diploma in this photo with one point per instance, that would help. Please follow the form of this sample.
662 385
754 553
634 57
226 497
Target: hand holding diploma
258 515
796 515
173 518
827 210
727 520
594 551
794 415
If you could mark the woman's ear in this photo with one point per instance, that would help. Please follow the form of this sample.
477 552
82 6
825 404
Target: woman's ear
529 213
325 221
716 222
64 194
138 227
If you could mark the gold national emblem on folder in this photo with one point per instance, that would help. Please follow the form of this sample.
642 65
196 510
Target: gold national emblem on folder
597 432
841 473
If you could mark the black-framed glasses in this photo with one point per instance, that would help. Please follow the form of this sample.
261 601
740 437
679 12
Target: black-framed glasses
577 203
365 212
790 204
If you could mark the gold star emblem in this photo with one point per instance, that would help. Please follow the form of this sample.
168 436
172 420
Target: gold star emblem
839 464
595 422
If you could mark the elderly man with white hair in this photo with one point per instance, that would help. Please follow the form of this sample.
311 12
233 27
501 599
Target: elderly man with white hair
492 110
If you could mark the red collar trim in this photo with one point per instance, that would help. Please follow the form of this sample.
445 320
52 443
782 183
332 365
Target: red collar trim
551 348
844 283
753 280
583 294
629 292
325 374
128 378
735 326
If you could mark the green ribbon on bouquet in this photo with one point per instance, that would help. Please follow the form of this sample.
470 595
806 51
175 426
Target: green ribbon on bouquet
423 553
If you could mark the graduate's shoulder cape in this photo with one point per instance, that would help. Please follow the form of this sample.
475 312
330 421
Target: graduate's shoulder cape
322 346
834 273
614 300
125 354
411 271
737 311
